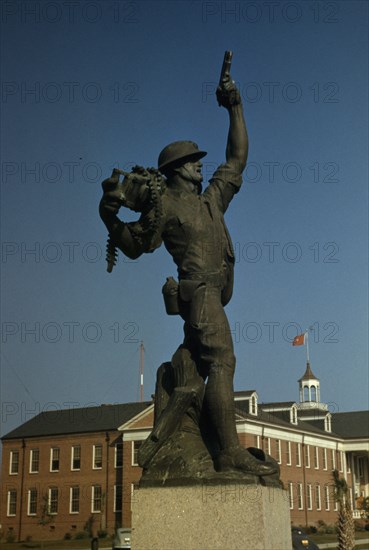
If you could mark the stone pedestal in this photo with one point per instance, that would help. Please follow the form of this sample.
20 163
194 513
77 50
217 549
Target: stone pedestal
209 516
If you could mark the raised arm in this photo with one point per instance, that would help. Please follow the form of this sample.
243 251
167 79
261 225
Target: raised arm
237 144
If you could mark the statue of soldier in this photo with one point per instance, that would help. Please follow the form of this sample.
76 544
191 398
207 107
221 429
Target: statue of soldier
191 225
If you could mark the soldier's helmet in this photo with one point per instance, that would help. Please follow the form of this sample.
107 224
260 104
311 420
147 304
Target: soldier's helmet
178 152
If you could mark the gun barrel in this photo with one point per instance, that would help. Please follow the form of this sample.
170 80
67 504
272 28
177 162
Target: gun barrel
226 67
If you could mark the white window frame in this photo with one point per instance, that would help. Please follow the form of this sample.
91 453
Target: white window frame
119 444
340 460
31 457
133 451
318 498
11 463
325 460
30 501
316 457
8 503
94 447
307 456
288 453
293 415
333 458
300 496
93 497
328 423
290 494
253 405
71 500
267 441
73 458
309 496
50 500
52 450
326 498
298 455
115 509
278 456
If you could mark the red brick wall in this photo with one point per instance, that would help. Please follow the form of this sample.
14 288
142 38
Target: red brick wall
64 479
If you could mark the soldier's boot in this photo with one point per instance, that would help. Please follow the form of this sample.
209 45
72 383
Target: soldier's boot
238 458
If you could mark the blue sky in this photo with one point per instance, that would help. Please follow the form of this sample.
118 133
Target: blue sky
87 86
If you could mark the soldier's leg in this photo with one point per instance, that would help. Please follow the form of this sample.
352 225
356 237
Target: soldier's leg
214 342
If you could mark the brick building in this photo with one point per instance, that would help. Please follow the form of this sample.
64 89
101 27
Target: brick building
80 465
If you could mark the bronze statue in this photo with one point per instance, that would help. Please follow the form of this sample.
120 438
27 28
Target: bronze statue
194 429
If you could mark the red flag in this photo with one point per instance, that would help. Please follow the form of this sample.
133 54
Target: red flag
299 340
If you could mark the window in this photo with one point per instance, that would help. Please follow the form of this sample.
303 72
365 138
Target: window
53 500
290 494
119 455
32 502
288 453
266 445
74 500
76 457
361 467
333 459
97 457
253 406
54 459
307 456
34 461
293 415
12 503
326 497
298 454
118 498
96 498
278 450
335 507
316 458
14 462
317 497
324 458
340 461
135 447
313 393
328 423
309 496
300 503
134 487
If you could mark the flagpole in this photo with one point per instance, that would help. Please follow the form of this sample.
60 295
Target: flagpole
307 346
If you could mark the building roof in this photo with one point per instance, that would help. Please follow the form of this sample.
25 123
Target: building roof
277 405
352 424
243 394
308 374
73 421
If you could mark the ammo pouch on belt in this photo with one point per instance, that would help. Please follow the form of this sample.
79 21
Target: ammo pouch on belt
189 292
170 292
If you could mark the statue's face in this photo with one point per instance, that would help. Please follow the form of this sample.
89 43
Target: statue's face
191 172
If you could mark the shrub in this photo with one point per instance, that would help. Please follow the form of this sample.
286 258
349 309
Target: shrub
81 535
67 536
102 533
367 527
10 536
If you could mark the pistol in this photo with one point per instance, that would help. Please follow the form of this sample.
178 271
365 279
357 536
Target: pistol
226 68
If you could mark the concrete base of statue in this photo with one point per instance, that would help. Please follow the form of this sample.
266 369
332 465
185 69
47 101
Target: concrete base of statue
211 516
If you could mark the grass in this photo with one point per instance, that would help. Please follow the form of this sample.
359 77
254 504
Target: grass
55 544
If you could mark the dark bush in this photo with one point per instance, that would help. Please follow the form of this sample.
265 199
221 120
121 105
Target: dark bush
81 535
